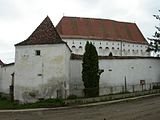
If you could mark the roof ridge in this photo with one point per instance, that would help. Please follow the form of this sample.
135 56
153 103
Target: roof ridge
45 33
99 28
100 19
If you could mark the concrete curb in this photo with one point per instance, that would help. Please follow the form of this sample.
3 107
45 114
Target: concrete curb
80 106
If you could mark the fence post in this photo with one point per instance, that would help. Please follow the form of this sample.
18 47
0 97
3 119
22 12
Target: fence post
133 88
65 93
111 90
123 89
142 87
125 84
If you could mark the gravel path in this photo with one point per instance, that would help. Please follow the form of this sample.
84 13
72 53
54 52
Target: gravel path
141 109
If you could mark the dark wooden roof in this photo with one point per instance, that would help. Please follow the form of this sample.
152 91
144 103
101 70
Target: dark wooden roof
1 63
99 29
45 33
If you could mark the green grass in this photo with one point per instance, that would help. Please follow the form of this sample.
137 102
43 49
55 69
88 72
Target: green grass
6 104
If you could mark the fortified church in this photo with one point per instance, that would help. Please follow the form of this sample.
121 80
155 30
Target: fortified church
48 63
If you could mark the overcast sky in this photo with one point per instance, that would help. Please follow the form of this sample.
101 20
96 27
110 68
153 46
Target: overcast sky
19 18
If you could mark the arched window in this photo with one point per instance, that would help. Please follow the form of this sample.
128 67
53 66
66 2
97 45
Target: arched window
100 50
100 47
107 48
73 46
133 51
110 54
80 47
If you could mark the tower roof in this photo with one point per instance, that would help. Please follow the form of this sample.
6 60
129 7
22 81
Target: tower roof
1 63
45 33
99 29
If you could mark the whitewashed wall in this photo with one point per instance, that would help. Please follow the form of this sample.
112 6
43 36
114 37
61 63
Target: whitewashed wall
118 48
6 78
42 76
115 71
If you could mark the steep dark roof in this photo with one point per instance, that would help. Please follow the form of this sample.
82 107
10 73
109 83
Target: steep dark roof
99 29
1 63
45 33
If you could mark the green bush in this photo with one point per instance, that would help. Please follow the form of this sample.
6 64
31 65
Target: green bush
48 103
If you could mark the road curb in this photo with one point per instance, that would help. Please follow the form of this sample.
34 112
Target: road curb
80 106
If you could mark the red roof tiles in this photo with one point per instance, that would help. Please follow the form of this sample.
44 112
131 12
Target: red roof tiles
45 33
102 29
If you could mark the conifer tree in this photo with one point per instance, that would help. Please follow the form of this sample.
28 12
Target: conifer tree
90 71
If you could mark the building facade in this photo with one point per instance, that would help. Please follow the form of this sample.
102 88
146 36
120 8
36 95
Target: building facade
48 63
108 36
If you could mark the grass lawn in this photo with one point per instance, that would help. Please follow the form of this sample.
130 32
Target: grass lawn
6 104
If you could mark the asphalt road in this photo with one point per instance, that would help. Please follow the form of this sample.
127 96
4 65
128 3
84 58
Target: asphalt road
141 109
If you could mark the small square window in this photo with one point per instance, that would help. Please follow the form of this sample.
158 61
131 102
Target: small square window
39 74
38 52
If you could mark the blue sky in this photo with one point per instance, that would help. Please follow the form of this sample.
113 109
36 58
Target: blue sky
19 18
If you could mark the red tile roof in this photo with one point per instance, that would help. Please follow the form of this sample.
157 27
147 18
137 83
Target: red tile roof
102 29
1 63
45 33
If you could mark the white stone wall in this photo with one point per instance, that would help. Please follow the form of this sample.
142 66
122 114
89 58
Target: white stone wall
115 71
6 78
117 48
41 76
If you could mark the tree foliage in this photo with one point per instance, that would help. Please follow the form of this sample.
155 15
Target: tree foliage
90 71
155 41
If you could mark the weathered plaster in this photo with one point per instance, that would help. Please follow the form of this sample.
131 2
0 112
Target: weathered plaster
42 75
